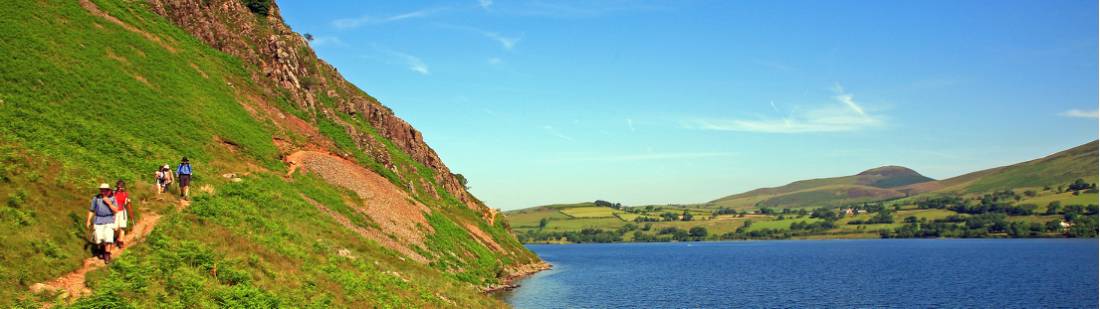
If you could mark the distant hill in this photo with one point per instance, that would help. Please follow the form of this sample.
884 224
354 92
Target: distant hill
1053 170
890 182
1035 185
871 185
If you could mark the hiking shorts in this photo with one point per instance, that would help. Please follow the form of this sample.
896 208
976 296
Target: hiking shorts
185 180
120 219
104 233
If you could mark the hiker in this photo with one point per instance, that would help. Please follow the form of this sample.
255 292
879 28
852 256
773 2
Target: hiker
103 211
163 177
183 172
122 199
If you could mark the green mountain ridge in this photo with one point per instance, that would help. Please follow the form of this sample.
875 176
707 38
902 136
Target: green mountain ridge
1053 196
870 185
1052 170
892 182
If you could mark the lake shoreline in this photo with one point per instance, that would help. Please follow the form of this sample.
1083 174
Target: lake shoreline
958 273
795 239
508 281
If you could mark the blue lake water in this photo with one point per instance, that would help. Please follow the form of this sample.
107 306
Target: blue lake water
914 273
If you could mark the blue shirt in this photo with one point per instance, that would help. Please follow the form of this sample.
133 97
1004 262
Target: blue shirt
184 169
103 213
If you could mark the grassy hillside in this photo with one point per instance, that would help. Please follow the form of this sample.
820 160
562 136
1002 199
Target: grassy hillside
1038 198
95 91
872 185
1053 170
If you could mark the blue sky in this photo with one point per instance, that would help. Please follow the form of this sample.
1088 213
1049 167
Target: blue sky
540 102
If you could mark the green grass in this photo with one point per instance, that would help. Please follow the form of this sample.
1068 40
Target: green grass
1057 169
530 218
627 217
84 100
1066 198
758 224
589 212
258 241
578 224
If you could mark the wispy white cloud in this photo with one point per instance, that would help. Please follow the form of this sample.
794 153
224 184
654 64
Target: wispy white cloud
414 63
552 131
645 156
775 65
581 9
844 115
495 60
847 99
506 42
348 23
630 124
485 4
1080 113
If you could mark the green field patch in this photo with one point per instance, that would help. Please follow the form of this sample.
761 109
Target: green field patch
930 214
578 224
1066 198
590 212
626 216
530 218
778 224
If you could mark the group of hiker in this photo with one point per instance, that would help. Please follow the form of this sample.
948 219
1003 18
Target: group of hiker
111 208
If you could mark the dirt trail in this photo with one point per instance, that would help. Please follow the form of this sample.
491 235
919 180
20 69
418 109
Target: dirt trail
72 285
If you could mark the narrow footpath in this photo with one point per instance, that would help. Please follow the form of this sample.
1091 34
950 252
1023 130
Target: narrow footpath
71 285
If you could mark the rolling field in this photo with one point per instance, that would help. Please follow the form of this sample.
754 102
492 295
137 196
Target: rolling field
1066 198
530 218
590 212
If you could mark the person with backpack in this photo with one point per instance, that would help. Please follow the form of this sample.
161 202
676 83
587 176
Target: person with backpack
162 177
103 212
183 173
122 217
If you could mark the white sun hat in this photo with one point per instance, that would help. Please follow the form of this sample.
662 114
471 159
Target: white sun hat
104 186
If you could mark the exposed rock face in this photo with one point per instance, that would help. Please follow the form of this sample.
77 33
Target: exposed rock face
288 63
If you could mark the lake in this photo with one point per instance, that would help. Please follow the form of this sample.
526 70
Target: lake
906 273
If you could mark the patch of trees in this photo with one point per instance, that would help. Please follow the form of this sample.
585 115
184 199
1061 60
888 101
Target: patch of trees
724 211
697 233
259 7
766 233
1079 185
603 203
825 214
883 216
940 202
670 216
587 235
988 224
461 179
813 227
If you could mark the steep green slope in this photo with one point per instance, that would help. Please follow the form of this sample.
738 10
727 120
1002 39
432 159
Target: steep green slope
870 185
1053 170
94 91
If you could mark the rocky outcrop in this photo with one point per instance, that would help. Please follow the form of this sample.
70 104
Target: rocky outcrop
286 62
